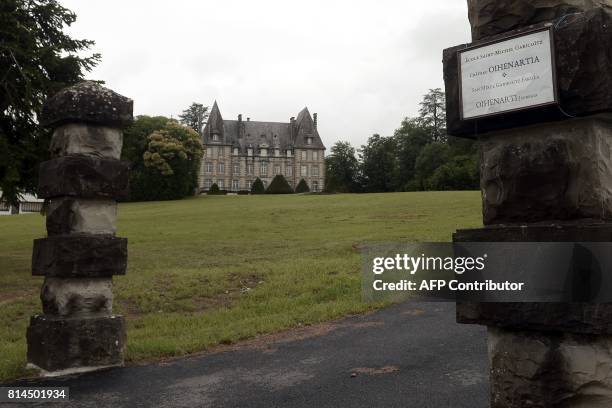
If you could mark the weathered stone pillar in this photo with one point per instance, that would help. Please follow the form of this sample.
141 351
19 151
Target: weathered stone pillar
546 176
77 331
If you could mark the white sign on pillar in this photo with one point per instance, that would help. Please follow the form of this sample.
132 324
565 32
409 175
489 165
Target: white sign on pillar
510 74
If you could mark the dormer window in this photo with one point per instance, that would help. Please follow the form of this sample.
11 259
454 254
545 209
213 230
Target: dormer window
235 151
309 140
277 152
250 151
288 152
263 152
215 137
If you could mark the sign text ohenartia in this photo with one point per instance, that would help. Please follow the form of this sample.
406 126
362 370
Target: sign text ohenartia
507 75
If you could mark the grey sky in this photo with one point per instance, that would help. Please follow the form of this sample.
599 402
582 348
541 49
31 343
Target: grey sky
362 65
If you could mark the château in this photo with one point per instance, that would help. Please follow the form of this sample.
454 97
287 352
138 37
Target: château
237 152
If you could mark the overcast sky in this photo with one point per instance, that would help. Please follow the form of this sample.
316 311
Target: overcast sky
362 65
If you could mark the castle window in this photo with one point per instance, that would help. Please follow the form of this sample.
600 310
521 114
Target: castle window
235 185
314 155
263 170
304 155
250 151
236 169
289 170
289 153
304 170
249 184
220 184
263 152
315 170
221 168
209 168
208 183
277 170
315 186
250 169
309 140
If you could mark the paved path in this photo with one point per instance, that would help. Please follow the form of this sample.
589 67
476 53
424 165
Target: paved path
410 355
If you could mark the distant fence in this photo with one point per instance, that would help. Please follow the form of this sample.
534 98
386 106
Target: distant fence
25 207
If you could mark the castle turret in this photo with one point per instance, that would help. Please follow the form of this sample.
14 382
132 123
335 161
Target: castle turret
306 133
214 128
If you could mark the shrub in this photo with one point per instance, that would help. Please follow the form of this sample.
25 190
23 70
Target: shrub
244 192
302 187
279 185
214 190
165 159
258 187
460 173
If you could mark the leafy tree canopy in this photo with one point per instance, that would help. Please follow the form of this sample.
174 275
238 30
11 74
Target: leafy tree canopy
379 164
37 59
195 117
432 115
165 162
342 169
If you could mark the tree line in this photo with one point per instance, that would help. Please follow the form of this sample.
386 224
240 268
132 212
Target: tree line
37 59
419 156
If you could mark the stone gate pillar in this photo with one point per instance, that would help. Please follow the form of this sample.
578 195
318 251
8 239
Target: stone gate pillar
546 176
77 331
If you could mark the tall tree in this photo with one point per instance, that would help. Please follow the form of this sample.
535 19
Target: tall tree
195 117
430 159
432 115
37 59
342 169
410 138
379 164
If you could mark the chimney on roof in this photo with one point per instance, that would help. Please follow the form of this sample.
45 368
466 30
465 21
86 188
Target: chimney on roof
240 117
314 118
248 119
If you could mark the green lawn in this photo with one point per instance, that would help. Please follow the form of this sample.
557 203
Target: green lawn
191 263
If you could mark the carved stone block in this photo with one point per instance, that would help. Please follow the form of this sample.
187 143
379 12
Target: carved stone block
76 216
552 317
492 17
75 344
84 177
87 139
551 172
79 256
542 370
87 102
72 297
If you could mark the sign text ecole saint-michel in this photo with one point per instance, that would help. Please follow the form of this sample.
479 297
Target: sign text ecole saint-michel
507 75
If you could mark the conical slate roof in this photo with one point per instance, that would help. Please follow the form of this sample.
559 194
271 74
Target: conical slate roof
215 121
244 134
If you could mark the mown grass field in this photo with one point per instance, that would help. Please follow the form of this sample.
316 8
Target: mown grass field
212 270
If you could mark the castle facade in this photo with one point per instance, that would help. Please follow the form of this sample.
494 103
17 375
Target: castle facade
237 152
